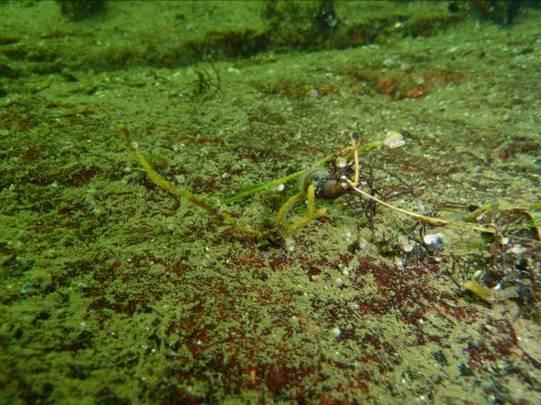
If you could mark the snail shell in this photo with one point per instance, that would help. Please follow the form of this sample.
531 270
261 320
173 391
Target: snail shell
327 186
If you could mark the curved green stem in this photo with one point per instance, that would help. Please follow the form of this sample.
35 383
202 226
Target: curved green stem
311 215
180 192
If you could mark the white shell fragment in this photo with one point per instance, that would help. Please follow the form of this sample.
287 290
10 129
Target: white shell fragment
434 240
280 187
394 139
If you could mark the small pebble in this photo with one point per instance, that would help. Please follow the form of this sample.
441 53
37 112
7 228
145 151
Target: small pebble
434 240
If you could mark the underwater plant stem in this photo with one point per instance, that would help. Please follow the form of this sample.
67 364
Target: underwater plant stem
429 220
357 165
284 209
491 295
180 192
311 195
347 151
261 187
312 213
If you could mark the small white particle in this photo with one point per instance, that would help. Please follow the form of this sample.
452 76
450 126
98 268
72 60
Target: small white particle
394 139
339 281
434 240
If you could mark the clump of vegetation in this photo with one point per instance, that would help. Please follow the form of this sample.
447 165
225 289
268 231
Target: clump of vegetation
208 83
314 184
80 9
